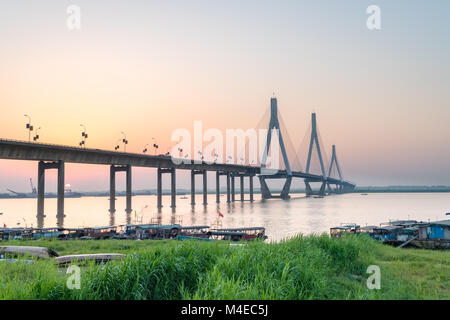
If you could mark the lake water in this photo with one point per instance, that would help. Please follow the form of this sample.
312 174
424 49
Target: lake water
281 218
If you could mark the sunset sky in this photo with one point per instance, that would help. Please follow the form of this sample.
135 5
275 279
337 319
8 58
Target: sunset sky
150 67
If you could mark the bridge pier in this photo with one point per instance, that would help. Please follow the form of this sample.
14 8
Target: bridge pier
265 192
42 166
173 189
286 188
228 188
112 187
128 189
60 205
217 187
41 189
192 187
205 186
159 188
310 192
233 192
241 187
251 187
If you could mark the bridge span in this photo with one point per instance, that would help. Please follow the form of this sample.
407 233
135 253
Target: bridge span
51 156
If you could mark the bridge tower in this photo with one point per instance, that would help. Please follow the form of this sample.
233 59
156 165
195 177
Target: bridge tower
315 140
269 173
335 161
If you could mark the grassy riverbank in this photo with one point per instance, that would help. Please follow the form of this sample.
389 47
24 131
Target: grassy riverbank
313 267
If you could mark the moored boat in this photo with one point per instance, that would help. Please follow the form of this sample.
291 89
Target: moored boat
154 231
194 231
105 232
248 233
349 228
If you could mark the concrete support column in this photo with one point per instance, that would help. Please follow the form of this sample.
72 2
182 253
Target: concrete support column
242 187
159 189
233 190
192 187
322 188
112 189
128 191
217 187
251 187
228 187
308 189
265 192
173 187
287 187
60 206
41 189
205 188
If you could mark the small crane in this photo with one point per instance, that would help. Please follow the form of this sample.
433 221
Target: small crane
33 188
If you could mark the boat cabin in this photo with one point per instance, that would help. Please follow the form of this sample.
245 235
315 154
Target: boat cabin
405 234
130 230
47 233
435 230
225 235
384 233
154 231
72 233
194 231
249 233
337 232
11 233
105 232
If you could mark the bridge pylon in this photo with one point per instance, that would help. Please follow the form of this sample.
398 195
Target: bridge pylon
315 141
272 173
334 160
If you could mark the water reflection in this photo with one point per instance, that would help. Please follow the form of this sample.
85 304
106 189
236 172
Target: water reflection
40 220
281 218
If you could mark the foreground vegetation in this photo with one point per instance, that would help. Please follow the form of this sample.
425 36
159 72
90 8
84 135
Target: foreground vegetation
312 267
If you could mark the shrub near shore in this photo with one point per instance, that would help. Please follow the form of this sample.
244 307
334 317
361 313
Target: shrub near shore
311 267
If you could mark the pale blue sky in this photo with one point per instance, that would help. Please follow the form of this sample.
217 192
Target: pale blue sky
381 96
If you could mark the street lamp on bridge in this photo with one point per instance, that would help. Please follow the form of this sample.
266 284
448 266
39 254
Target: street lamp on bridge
36 137
29 127
155 145
125 141
116 147
84 136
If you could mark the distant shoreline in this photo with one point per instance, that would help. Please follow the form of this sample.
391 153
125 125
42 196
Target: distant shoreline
182 192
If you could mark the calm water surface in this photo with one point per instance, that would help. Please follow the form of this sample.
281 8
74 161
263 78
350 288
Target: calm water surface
281 218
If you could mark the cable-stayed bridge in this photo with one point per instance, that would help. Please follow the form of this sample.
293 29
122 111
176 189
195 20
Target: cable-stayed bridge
50 156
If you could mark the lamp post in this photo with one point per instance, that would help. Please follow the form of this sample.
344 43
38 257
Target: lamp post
29 127
145 149
125 141
155 145
116 147
84 136
36 137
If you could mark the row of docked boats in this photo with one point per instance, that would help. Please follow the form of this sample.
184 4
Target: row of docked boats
402 233
136 232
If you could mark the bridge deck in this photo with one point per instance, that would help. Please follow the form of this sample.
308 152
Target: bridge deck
20 150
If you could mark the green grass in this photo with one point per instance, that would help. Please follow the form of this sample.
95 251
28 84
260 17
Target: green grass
66 247
312 267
